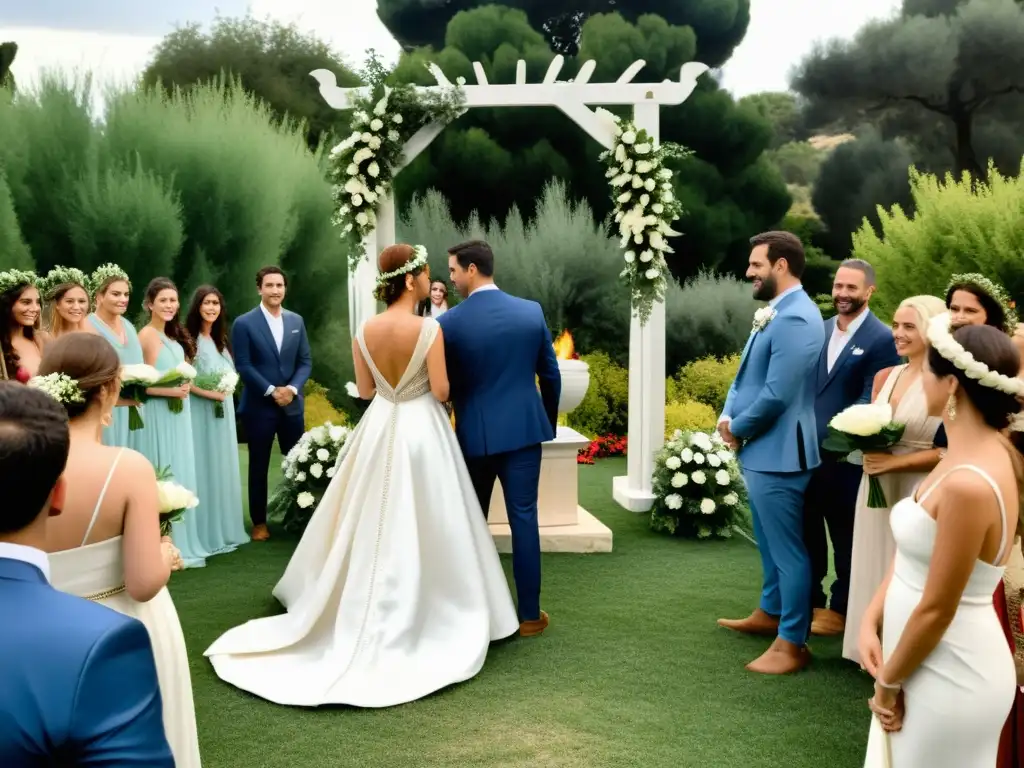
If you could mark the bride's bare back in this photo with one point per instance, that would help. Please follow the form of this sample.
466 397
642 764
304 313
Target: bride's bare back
391 338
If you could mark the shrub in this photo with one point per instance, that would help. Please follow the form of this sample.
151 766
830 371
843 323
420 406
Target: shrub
601 448
14 253
604 409
697 486
688 415
319 409
707 381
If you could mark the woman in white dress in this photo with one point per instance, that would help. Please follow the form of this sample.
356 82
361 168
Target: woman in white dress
105 545
395 590
944 674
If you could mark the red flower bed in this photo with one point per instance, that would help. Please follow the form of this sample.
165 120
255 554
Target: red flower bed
602 447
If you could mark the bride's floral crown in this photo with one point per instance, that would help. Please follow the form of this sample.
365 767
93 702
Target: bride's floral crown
995 292
59 386
418 261
16 278
104 273
59 276
942 341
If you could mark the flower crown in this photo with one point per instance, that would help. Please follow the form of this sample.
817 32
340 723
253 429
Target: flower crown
943 342
59 276
418 260
995 292
103 274
16 278
59 386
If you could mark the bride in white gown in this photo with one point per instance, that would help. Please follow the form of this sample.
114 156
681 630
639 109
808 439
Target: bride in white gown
395 590
944 674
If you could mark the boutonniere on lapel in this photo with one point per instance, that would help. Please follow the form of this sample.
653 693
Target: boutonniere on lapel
857 351
762 317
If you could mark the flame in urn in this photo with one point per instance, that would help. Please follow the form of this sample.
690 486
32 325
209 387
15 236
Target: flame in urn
564 347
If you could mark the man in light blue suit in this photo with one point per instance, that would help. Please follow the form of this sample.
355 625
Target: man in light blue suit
273 360
498 348
769 418
78 682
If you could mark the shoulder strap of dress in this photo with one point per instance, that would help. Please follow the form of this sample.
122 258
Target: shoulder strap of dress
999 499
99 500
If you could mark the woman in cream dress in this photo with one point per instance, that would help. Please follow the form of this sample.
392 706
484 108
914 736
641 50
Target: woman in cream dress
105 545
898 471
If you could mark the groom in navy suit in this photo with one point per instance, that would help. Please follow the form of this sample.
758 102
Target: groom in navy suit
497 347
857 346
769 418
77 680
273 360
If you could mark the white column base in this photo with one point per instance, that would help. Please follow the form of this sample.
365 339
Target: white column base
633 499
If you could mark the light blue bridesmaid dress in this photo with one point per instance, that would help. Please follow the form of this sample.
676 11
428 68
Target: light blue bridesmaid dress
129 353
167 442
218 476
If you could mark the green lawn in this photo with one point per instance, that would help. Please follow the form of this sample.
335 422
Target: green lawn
632 672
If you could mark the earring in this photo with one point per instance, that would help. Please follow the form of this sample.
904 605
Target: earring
107 419
951 408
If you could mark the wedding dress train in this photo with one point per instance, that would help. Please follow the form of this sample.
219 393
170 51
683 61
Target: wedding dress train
395 589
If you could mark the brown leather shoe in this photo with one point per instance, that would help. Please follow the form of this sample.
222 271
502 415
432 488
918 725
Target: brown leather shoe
757 623
534 627
781 658
827 623
260 533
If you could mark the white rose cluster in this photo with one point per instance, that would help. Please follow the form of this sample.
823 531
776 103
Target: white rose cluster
862 420
698 484
173 497
314 456
645 208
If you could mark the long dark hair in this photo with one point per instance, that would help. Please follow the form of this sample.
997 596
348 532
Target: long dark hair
7 327
194 320
995 315
173 329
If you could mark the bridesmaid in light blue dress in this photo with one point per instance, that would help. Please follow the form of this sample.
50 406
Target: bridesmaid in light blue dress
112 290
167 439
218 476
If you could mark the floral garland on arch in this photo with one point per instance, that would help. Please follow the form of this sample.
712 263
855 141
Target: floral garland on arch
362 167
645 208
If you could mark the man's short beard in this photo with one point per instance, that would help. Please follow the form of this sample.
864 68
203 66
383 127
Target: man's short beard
855 305
769 289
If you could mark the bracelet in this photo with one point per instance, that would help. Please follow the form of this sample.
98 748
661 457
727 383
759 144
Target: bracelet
888 686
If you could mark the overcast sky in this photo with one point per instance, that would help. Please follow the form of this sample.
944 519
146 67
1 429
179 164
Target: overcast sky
113 38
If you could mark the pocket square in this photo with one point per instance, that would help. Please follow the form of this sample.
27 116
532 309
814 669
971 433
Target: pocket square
858 351
297 330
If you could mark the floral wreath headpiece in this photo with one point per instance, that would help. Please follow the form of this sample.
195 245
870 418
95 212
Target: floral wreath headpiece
418 260
103 274
940 338
996 292
16 278
59 276
59 386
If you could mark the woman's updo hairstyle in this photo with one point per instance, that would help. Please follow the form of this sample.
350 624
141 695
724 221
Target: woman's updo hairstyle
88 359
395 259
992 347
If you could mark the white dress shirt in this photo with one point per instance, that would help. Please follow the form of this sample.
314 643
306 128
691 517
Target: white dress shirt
839 339
29 555
485 287
277 331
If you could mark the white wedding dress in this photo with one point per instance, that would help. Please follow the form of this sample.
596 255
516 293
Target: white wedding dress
395 590
959 698
96 572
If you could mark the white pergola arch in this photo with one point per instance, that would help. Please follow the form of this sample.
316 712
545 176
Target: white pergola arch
574 98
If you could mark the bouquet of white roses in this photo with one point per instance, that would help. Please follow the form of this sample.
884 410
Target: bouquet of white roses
308 468
697 486
867 427
174 499
135 379
224 382
175 377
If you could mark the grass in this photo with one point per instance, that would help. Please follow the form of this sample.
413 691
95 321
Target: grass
632 672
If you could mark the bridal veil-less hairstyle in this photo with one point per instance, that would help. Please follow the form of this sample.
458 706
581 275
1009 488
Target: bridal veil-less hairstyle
194 319
34 444
391 258
925 307
173 329
88 359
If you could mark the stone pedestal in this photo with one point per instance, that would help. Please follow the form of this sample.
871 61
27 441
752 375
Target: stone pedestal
565 526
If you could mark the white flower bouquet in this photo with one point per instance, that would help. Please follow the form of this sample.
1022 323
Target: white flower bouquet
224 382
135 380
308 468
175 499
867 427
697 486
180 374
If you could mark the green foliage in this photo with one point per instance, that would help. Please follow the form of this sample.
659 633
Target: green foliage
7 53
958 226
707 381
783 113
825 305
605 408
318 407
14 253
708 317
687 415
798 162
272 60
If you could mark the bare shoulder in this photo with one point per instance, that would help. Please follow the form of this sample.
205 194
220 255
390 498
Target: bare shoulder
966 492
135 466
146 332
882 375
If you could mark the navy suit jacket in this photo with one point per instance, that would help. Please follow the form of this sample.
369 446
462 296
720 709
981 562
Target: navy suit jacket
496 347
260 365
78 682
869 350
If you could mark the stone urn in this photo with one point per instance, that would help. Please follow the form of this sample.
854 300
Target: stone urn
575 382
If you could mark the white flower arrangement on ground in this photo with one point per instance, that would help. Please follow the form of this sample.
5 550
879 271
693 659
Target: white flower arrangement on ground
645 207
308 468
362 167
224 382
698 490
